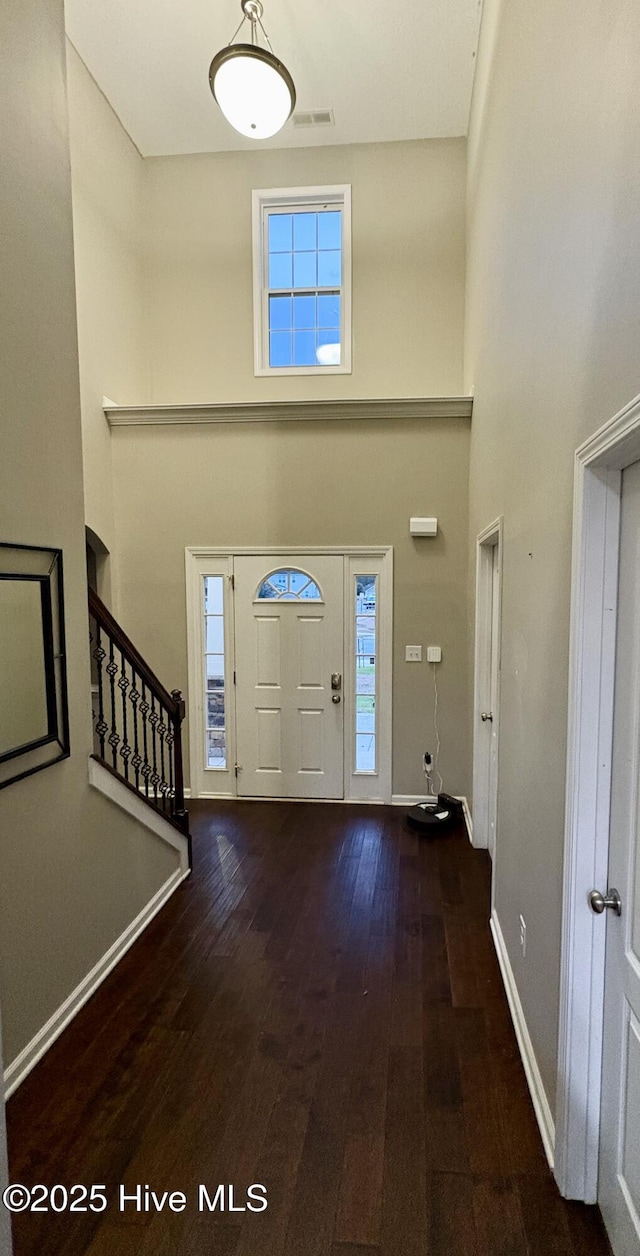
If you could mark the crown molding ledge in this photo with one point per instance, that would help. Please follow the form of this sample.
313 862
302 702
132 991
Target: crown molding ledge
291 411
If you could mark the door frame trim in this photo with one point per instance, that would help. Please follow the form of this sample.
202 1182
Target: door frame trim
599 463
352 554
486 542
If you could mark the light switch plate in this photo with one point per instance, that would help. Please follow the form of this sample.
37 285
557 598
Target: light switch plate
413 654
434 654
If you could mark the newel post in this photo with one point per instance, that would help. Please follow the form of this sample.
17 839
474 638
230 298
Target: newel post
180 813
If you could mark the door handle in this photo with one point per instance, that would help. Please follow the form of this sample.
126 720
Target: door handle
336 680
335 697
598 902
486 715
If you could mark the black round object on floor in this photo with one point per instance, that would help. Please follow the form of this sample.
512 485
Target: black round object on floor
430 817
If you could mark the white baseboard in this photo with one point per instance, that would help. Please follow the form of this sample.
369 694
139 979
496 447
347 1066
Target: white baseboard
534 1079
410 800
16 1072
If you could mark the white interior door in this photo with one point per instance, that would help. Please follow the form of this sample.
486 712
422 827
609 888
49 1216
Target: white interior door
289 650
619 1169
494 693
487 688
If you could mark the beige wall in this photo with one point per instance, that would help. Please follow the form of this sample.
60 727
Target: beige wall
342 483
107 174
74 871
339 483
408 270
553 328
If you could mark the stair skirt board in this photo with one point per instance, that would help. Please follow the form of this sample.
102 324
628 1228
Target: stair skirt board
16 1072
125 798
539 1099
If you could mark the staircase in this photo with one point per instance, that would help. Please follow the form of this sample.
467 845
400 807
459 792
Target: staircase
137 723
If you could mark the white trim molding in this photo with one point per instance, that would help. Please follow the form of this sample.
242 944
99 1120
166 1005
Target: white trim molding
292 411
16 1072
538 1093
599 463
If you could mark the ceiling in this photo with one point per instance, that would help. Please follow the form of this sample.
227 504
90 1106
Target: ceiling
389 69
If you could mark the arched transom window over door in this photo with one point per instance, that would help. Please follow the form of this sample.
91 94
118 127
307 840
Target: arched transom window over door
289 584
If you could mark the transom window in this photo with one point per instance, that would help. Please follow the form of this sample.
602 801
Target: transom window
289 585
302 286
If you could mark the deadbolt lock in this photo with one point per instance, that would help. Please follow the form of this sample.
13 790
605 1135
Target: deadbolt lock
336 680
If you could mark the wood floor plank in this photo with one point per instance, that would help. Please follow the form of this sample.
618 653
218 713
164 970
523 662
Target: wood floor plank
318 1009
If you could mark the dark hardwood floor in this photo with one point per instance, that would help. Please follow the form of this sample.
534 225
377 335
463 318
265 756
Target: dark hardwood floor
319 1010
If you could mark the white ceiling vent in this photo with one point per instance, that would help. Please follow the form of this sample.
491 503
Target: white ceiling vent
314 117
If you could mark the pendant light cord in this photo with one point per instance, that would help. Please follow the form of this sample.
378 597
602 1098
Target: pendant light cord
254 22
244 19
266 36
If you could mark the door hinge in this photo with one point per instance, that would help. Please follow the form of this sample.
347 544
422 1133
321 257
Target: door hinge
237 768
234 678
232 580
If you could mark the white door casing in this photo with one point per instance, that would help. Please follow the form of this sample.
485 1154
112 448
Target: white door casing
487 686
289 729
619 1169
599 464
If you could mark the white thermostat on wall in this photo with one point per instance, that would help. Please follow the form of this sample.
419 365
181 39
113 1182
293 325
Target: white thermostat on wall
423 527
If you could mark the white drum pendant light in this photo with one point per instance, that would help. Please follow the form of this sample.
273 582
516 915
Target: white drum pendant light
253 89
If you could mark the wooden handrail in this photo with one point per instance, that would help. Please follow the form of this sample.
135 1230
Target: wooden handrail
103 616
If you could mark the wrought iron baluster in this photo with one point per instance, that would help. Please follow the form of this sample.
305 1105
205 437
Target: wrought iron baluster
134 698
123 685
171 750
162 728
114 737
146 766
153 720
147 756
100 655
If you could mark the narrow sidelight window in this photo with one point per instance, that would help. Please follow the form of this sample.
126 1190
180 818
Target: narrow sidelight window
215 704
366 637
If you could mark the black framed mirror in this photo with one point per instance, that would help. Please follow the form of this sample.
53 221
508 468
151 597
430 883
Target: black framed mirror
34 719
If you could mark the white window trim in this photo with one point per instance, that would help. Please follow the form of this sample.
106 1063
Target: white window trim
358 559
296 198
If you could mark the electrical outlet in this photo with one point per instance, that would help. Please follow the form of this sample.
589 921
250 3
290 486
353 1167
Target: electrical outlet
428 758
523 936
413 654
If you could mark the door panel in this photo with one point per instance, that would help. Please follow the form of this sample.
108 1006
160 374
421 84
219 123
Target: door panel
619 1169
267 651
289 731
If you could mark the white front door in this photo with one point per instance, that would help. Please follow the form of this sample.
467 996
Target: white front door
289 651
619 1169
